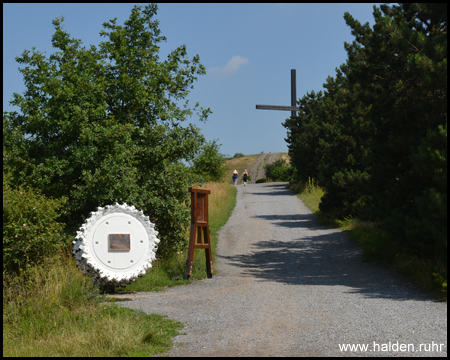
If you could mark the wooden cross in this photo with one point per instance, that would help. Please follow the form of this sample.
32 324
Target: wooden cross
293 108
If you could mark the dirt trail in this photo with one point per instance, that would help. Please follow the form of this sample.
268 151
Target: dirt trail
256 170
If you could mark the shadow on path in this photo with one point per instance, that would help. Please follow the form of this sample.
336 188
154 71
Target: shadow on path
306 253
322 260
276 189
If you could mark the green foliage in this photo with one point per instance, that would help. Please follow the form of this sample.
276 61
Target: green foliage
269 168
441 283
282 173
310 185
278 171
260 181
375 139
209 164
426 218
30 230
55 301
238 155
103 125
303 135
311 194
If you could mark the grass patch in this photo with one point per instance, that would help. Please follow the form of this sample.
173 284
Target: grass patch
109 332
427 274
53 310
311 194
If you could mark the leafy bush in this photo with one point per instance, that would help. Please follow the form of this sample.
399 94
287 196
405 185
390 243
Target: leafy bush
238 155
282 173
269 168
259 181
30 231
210 162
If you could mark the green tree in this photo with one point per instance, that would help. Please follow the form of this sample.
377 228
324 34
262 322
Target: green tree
209 163
401 66
376 139
103 125
343 147
303 135
328 142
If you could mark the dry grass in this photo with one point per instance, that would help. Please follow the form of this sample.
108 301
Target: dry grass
287 158
221 203
240 164
220 196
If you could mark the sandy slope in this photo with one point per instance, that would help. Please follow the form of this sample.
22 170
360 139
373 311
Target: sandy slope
256 170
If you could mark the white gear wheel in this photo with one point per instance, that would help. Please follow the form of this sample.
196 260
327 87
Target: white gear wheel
110 265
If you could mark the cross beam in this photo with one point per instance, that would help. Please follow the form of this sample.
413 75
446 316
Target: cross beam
293 108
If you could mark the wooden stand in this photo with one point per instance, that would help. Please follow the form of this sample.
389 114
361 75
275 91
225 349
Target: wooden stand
199 229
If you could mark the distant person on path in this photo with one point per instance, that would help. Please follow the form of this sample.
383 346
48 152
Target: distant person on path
245 177
235 176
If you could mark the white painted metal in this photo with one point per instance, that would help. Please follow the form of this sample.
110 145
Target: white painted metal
110 268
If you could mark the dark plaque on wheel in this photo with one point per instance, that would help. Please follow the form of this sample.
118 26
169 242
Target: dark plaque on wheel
119 242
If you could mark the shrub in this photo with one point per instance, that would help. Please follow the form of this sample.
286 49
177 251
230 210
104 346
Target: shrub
209 163
278 171
282 173
269 168
30 231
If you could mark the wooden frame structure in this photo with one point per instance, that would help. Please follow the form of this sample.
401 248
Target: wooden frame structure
199 233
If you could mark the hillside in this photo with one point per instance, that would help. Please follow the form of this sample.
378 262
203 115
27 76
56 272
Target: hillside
254 165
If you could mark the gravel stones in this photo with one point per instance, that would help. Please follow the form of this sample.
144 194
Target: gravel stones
285 286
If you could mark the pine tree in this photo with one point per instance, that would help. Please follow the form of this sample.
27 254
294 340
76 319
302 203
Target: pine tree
376 138
402 69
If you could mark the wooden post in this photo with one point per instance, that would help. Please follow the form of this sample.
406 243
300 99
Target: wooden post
199 234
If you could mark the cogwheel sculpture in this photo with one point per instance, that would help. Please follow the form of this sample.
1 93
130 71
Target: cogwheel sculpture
115 245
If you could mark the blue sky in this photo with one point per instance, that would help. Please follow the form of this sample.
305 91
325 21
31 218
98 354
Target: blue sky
247 49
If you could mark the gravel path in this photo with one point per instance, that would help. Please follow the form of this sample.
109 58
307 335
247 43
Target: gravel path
285 286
